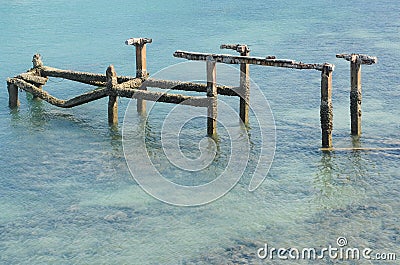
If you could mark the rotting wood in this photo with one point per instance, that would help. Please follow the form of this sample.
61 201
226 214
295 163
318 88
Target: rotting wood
111 77
361 58
232 59
241 48
141 65
32 78
13 100
76 101
212 109
244 87
189 86
82 77
355 98
356 60
162 97
326 109
37 61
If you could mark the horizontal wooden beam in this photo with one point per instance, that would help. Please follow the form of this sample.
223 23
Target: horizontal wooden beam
232 59
189 86
32 78
122 91
241 48
82 77
76 101
358 58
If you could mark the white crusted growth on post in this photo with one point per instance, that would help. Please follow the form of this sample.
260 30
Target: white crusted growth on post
141 66
359 58
138 41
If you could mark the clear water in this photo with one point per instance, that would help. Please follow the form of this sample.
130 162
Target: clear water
66 193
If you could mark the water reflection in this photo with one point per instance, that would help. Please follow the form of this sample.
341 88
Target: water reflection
341 179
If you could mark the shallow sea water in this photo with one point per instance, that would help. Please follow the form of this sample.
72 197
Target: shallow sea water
67 196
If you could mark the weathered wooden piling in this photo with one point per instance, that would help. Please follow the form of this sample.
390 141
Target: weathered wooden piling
112 98
37 63
212 111
141 67
356 60
326 109
13 100
244 80
355 97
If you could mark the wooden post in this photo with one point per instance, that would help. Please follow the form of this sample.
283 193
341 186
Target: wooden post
112 98
244 88
141 71
244 80
326 109
13 100
141 67
37 63
356 60
212 96
355 95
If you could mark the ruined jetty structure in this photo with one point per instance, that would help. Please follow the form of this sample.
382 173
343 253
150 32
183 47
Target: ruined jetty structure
113 86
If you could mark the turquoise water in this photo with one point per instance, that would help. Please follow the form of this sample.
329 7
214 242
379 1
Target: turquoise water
67 196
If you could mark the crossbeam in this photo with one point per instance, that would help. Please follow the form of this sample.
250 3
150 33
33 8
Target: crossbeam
33 78
233 59
189 86
240 48
122 90
82 77
73 102
358 58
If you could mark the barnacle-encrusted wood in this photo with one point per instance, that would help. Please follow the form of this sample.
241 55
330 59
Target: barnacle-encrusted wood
141 66
244 92
359 58
234 59
113 86
356 60
241 48
326 109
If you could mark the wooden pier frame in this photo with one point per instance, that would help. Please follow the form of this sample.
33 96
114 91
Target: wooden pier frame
326 109
244 80
356 60
141 65
113 86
